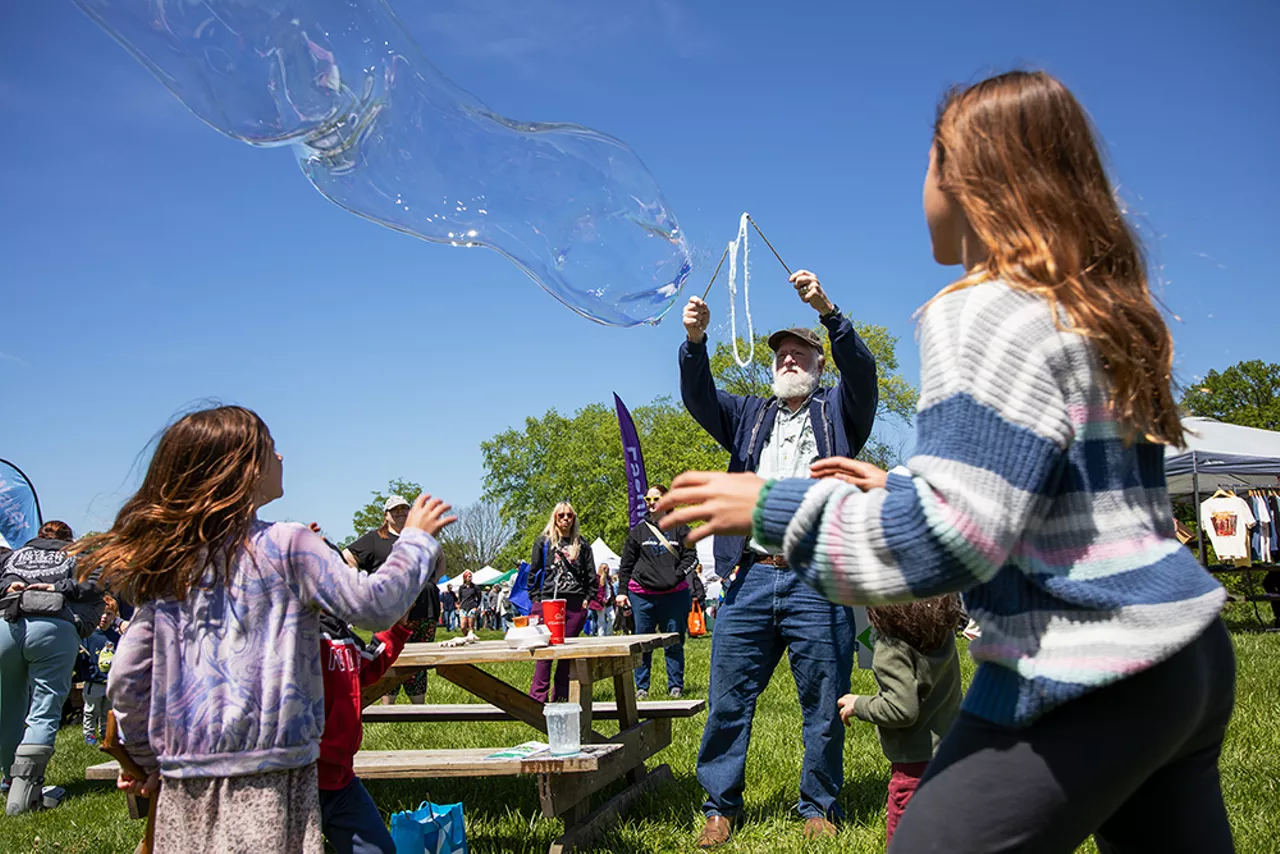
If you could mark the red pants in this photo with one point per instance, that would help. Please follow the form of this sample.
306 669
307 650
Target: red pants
902 785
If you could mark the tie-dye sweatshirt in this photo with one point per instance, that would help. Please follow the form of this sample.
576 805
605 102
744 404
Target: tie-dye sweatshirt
227 682
1021 493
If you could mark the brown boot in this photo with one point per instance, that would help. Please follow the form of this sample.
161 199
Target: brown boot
716 832
818 827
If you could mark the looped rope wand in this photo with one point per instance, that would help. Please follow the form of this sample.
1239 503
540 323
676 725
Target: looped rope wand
725 254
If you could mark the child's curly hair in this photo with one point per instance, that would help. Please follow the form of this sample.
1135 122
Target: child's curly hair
923 625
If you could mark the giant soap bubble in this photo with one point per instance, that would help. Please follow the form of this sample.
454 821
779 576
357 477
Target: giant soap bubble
380 131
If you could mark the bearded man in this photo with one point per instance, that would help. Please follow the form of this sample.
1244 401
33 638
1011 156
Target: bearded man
768 609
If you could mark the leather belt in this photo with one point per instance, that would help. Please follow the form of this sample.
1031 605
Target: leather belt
777 561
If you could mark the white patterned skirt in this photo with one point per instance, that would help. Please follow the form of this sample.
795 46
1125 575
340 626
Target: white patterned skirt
277 812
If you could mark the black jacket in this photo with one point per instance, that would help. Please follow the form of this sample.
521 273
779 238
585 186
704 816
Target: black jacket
46 562
650 563
547 576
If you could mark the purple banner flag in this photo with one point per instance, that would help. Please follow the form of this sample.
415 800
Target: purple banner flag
637 480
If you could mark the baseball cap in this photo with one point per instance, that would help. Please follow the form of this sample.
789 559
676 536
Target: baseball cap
808 336
394 502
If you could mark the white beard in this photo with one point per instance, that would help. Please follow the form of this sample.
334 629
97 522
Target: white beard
791 386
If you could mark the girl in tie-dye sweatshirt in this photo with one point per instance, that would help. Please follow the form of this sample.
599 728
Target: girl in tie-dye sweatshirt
216 686
1105 679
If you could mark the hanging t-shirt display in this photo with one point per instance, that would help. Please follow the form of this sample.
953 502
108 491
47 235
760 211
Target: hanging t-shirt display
1227 519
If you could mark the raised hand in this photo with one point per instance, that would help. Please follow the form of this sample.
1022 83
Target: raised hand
811 292
696 318
428 514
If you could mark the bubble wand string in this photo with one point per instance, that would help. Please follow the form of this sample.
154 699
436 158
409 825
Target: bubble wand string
725 254
767 243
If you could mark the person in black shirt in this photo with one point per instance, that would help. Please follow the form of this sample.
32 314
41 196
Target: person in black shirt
371 551
468 604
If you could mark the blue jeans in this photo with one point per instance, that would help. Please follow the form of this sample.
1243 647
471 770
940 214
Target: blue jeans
766 611
37 657
664 612
351 822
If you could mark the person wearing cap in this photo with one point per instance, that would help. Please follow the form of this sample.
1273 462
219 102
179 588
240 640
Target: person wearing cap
767 610
368 553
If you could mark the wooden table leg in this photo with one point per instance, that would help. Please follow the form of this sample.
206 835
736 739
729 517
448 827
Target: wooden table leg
624 690
486 686
580 831
581 682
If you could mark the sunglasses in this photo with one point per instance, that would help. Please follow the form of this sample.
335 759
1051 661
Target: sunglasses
564 516
648 500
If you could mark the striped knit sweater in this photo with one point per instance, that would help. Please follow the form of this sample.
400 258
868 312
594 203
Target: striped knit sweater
1022 494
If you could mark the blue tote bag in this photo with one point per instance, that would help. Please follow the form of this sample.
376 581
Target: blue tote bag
430 829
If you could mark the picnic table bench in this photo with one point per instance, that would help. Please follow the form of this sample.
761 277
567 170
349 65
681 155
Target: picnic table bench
1253 595
565 784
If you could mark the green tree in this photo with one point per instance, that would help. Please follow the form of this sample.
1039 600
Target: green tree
579 459
1247 393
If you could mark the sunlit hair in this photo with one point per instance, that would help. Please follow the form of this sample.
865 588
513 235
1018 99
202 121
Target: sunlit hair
552 535
193 510
925 625
55 530
1018 153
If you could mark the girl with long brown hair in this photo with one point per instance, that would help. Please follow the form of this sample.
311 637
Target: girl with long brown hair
1105 678
216 686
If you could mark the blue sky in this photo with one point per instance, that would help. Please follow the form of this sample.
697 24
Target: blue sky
147 262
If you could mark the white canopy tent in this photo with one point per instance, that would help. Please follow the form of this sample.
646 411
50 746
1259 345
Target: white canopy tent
480 578
485 576
601 553
707 557
1219 453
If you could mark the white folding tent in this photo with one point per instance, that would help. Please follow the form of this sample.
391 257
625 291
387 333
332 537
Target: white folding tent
484 576
1219 453
601 553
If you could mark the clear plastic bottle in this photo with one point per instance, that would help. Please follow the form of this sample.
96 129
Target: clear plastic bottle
380 131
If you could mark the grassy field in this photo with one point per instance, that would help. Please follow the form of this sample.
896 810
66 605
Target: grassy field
502 813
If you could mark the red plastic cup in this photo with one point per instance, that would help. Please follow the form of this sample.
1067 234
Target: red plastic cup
553 616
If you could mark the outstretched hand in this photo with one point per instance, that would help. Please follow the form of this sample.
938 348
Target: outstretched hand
865 476
428 514
724 501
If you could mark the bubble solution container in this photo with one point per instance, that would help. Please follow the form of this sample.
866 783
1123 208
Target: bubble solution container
563 734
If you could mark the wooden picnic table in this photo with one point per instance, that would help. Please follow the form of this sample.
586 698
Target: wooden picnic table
565 784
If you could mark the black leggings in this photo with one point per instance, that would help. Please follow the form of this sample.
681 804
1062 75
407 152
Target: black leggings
1271 584
1135 763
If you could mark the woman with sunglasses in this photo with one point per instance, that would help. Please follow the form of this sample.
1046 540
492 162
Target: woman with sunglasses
561 567
652 579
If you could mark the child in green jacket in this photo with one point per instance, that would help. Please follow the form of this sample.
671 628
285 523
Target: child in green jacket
918 672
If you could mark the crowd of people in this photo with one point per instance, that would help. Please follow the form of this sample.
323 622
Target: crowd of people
1036 490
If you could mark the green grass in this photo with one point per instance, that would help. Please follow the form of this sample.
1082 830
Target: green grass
502 813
